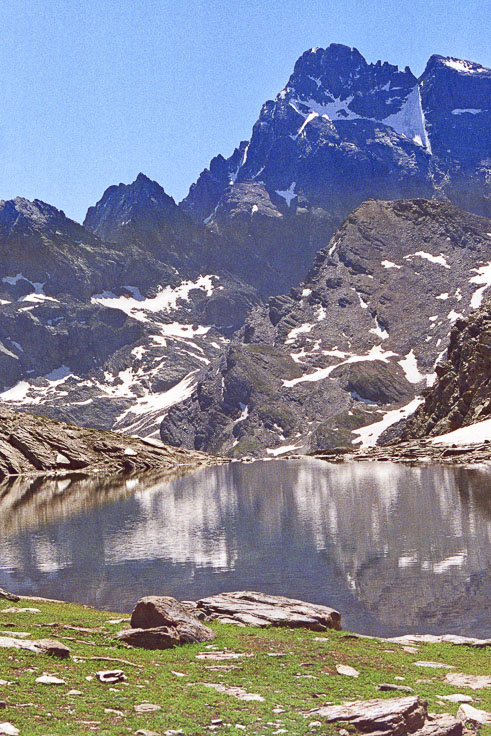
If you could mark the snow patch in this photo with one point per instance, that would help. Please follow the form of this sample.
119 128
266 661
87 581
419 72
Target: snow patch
440 260
296 331
483 277
473 434
462 110
288 194
410 367
368 436
376 353
389 264
165 301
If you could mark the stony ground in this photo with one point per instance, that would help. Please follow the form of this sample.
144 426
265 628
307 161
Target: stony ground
255 681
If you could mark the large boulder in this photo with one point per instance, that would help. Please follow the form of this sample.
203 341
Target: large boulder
258 609
161 622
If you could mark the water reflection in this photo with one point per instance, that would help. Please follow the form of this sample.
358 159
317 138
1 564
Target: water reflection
395 548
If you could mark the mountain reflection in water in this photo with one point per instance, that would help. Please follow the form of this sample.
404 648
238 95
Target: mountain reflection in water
396 549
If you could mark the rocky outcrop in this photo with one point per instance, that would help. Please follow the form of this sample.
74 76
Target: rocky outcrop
394 717
461 395
33 444
248 608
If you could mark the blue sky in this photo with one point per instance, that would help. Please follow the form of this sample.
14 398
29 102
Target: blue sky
94 91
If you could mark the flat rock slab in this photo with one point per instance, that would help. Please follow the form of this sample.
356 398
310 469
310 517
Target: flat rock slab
50 680
444 639
39 646
474 682
220 656
258 609
20 610
162 637
147 708
434 665
474 715
235 692
154 612
457 698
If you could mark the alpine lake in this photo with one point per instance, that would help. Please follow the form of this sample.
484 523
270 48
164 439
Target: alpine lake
396 549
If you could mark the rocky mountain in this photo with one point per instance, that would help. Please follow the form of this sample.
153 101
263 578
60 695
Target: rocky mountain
342 131
345 354
461 394
104 334
152 305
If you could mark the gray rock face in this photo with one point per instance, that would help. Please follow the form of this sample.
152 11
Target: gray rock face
361 336
461 394
258 609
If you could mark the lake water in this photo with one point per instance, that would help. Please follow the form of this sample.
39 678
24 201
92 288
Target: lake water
395 549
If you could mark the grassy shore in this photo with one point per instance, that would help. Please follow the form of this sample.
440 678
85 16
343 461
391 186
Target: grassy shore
300 677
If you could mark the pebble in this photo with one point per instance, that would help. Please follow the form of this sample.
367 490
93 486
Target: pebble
144 732
74 692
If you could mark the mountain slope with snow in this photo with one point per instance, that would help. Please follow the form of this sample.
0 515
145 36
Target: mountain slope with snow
357 342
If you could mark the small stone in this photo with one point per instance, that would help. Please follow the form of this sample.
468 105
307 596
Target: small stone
74 692
411 650
314 724
144 732
388 686
457 698
217 722
147 708
346 670
173 732
343 732
110 675
50 680
178 674
474 715
399 677
8 729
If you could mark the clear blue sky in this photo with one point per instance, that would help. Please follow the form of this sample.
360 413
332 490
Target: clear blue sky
94 91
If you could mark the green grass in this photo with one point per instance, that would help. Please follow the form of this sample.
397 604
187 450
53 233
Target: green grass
303 679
